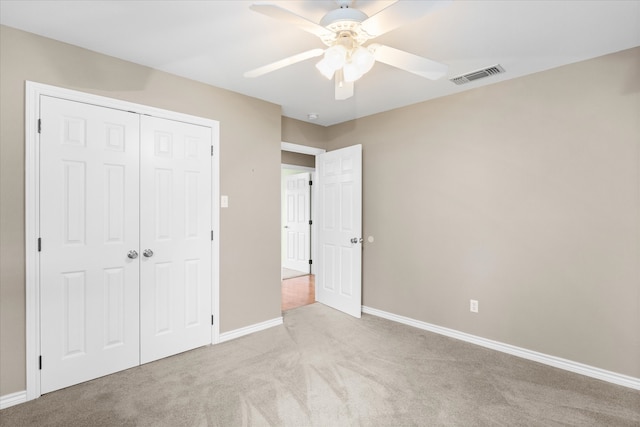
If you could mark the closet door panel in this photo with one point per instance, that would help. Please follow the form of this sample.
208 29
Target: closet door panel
89 290
175 233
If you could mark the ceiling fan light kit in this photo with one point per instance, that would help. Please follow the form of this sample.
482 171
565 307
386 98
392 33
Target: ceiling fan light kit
355 60
362 61
344 31
334 59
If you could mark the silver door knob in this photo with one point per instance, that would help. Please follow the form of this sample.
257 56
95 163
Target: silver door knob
356 240
132 254
147 253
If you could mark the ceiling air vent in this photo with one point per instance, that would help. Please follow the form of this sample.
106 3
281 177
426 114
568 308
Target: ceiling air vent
479 74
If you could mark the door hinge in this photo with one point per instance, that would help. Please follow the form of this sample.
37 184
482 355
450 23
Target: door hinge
310 262
39 244
310 222
211 235
39 125
212 151
40 362
310 182
212 319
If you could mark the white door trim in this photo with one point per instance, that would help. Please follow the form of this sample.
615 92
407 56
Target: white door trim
33 91
302 149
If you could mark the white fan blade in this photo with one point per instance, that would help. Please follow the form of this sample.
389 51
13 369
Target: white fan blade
409 62
284 62
281 14
398 14
344 90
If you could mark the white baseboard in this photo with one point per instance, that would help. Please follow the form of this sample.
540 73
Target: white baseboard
237 333
556 362
13 399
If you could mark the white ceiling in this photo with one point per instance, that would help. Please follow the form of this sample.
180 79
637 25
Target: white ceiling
215 42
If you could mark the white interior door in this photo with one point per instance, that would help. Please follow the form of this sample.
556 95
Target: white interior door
89 222
297 227
176 237
339 276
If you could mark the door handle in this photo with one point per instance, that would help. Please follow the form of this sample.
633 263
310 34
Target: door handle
132 254
356 240
148 253
286 226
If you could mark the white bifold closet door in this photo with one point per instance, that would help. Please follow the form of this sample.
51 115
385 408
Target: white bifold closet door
89 290
175 224
125 226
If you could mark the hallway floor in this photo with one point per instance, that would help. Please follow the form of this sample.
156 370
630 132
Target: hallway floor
298 291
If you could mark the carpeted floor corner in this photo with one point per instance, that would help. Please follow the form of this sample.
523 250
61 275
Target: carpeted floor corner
324 368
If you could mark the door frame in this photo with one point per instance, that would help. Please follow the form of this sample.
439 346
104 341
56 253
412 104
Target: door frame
33 92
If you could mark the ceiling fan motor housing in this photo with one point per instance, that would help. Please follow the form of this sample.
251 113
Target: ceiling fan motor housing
345 19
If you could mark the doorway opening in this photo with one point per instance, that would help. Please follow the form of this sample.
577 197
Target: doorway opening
297 229
336 228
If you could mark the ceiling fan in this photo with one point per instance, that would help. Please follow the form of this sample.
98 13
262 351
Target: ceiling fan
345 31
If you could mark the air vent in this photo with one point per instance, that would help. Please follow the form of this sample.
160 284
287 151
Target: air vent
479 74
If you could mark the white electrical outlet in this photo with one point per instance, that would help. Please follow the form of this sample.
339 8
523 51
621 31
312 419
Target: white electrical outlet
473 306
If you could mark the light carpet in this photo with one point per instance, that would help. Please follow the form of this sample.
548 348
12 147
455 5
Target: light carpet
324 368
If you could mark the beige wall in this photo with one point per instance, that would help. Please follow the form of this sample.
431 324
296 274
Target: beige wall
298 159
303 133
250 176
524 195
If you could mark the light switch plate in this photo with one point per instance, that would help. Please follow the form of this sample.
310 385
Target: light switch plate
224 201
473 306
